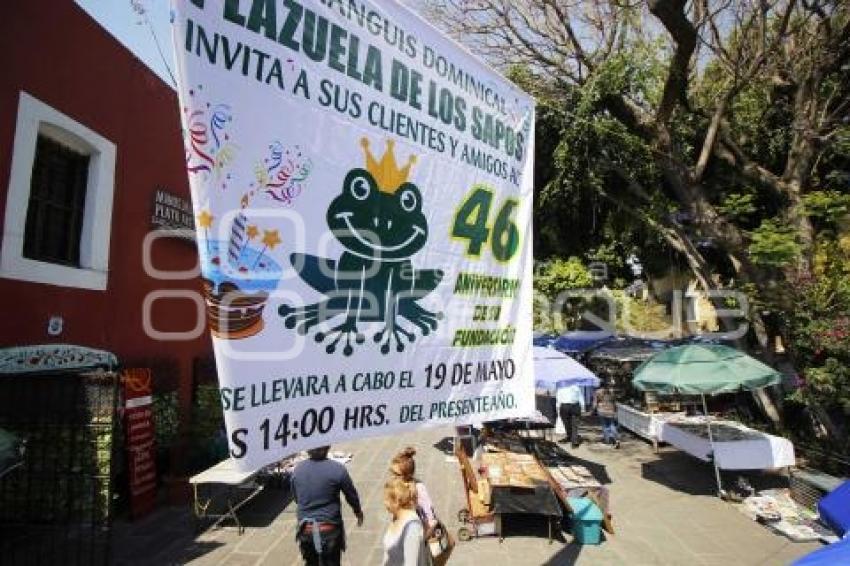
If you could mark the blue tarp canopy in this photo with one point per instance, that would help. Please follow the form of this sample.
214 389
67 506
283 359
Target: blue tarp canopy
544 339
628 349
580 341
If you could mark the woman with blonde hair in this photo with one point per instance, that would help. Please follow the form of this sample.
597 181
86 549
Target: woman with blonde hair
404 541
404 466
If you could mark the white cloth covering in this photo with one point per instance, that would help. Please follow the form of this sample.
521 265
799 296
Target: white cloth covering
759 451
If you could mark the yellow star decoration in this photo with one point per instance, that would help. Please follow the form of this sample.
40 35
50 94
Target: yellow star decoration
252 231
271 238
205 219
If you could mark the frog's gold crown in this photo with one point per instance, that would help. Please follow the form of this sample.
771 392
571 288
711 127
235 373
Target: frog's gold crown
386 172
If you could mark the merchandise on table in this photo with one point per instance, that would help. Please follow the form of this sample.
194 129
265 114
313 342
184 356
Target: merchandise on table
736 446
511 469
721 431
776 509
504 479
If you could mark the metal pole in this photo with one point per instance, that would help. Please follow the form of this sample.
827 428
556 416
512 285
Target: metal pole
711 442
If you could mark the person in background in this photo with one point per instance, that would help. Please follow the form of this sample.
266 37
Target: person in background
605 405
316 485
570 406
403 466
404 540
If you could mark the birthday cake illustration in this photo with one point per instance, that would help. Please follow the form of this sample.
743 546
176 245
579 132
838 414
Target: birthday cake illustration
238 279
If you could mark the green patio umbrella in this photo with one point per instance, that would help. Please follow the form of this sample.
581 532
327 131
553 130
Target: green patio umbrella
704 369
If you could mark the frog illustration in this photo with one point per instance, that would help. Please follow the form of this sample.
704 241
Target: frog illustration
378 219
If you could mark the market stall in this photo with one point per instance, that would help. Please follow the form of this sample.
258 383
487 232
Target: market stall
511 476
614 360
552 371
708 370
504 480
735 446
644 424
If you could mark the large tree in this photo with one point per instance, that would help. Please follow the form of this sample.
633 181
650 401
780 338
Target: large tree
669 88
717 129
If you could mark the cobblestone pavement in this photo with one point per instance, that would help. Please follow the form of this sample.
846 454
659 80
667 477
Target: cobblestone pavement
663 510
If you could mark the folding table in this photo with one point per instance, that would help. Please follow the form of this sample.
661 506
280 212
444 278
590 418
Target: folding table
236 484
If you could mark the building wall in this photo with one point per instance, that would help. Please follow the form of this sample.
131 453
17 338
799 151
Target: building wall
58 54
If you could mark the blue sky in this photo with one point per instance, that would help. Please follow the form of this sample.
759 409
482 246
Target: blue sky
121 19
137 32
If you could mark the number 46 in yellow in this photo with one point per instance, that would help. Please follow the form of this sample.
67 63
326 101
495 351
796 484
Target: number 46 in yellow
470 223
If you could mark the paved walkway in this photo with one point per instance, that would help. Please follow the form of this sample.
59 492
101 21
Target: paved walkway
664 513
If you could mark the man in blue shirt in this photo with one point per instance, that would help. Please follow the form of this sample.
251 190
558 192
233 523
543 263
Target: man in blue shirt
570 407
316 485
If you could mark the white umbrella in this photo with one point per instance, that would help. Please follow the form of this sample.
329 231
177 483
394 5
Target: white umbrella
554 369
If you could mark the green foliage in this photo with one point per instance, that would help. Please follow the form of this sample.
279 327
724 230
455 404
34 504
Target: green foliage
637 316
827 205
166 419
208 445
774 244
558 275
831 381
551 279
738 205
820 330
638 72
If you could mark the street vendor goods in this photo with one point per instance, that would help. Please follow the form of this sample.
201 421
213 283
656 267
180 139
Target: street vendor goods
505 480
512 469
735 446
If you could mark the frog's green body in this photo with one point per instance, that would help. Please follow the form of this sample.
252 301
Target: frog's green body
374 280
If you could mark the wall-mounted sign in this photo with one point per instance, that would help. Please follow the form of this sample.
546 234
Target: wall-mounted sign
171 212
139 434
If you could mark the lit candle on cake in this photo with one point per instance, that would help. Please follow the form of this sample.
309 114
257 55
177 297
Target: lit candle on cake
238 238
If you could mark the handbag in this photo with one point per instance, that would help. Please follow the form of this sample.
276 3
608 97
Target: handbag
440 544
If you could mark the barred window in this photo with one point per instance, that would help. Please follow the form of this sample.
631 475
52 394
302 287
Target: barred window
58 217
57 203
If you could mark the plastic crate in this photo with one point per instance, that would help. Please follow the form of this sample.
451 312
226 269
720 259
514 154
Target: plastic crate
586 521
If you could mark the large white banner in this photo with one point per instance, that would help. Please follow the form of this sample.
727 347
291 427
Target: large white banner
362 188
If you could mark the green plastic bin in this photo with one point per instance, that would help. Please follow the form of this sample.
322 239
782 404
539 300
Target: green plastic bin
586 521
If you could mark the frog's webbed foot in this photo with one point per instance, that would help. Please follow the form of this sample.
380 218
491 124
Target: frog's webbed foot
392 331
306 317
347 331
424 319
